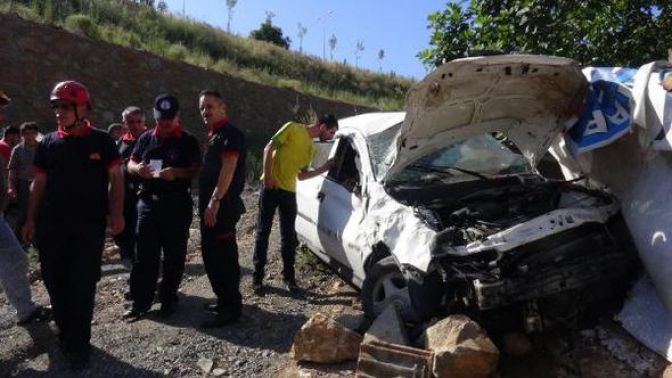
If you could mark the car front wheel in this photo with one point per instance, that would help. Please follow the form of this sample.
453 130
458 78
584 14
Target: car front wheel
384 285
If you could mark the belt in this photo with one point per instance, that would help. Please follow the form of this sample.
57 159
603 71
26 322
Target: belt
165 195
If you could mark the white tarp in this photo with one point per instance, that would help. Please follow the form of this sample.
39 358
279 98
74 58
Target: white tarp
638 168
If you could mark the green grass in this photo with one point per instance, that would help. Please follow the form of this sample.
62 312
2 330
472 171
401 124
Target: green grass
127 24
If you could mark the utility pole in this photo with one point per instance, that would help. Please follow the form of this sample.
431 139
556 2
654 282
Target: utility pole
184 14
324 37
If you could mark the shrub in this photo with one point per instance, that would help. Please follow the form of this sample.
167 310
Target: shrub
177 51
82 24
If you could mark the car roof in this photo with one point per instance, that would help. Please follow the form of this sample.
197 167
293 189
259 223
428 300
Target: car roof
371 123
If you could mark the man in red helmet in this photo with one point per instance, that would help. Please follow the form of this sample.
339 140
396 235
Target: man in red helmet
74 163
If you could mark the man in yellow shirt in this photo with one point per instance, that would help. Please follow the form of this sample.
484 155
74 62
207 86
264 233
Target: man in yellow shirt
286 158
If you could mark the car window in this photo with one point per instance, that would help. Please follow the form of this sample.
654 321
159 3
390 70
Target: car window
382 147
469 159
347 166
322 150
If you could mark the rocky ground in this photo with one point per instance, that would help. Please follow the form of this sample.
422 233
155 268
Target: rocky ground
259 345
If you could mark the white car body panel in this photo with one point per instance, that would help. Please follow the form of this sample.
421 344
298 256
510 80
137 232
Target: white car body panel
344 227
530 97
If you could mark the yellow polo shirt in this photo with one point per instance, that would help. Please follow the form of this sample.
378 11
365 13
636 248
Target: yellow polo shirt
294 153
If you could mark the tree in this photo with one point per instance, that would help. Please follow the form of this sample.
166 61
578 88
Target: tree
358 51
618 32
302 32
230 4
381 55
162 6
271 33
332 45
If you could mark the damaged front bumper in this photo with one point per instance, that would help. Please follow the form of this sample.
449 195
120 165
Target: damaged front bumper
576 275
572 260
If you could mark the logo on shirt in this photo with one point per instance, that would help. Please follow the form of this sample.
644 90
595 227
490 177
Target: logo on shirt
94 156
164 105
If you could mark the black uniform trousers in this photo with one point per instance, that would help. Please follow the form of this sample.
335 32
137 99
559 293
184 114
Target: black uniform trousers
285 201
163 225
70 259
126 240
220 258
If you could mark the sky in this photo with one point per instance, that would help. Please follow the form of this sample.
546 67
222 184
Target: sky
399 27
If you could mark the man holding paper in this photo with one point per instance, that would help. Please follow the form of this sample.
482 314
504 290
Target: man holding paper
166 159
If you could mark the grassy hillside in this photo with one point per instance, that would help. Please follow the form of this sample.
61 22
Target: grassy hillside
141 27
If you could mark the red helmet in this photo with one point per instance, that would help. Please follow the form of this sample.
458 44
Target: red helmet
71 91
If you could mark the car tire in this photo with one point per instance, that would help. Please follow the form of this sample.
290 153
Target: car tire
384 285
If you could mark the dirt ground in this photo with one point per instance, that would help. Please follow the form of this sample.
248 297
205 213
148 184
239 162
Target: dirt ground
259 345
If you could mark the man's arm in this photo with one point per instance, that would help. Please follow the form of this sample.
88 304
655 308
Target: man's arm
267 163
11 178
223 183
36 195
116 199
306 173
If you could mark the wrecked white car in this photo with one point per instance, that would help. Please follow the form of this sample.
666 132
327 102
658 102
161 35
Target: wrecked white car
442 208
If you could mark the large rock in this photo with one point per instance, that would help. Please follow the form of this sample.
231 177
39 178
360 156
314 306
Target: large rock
324 340
461 348
388 327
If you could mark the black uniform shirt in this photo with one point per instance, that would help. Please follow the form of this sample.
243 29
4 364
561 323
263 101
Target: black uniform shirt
225 140
125 146
77 175
179 150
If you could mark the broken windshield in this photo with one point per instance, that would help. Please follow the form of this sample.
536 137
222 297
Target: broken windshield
382 149
482 155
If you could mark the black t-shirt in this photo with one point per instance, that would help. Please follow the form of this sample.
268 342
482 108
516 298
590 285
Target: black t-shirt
176 151
224 141
77 176
125 147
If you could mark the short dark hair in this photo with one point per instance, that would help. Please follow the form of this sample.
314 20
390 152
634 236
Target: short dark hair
131 110
214 93
12 130
114 126
211 92
29 126
329 120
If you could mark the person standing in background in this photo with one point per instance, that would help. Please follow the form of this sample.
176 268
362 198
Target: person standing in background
133 119
21 172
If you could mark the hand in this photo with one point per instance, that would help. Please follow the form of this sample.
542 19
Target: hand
11 194
269 183
328 165
210 215
667 83
145 171
168 174
27 230
116 223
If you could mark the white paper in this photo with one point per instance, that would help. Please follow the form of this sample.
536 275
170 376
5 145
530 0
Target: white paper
156 165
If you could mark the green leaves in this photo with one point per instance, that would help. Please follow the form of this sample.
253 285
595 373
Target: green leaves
618 32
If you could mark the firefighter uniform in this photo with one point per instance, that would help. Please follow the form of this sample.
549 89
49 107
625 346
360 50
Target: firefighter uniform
165 210
218 243
127 239
70 225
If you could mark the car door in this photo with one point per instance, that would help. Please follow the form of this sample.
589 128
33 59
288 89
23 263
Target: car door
308 203
342 207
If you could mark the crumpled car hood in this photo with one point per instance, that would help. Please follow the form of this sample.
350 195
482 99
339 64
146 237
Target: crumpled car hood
530 98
